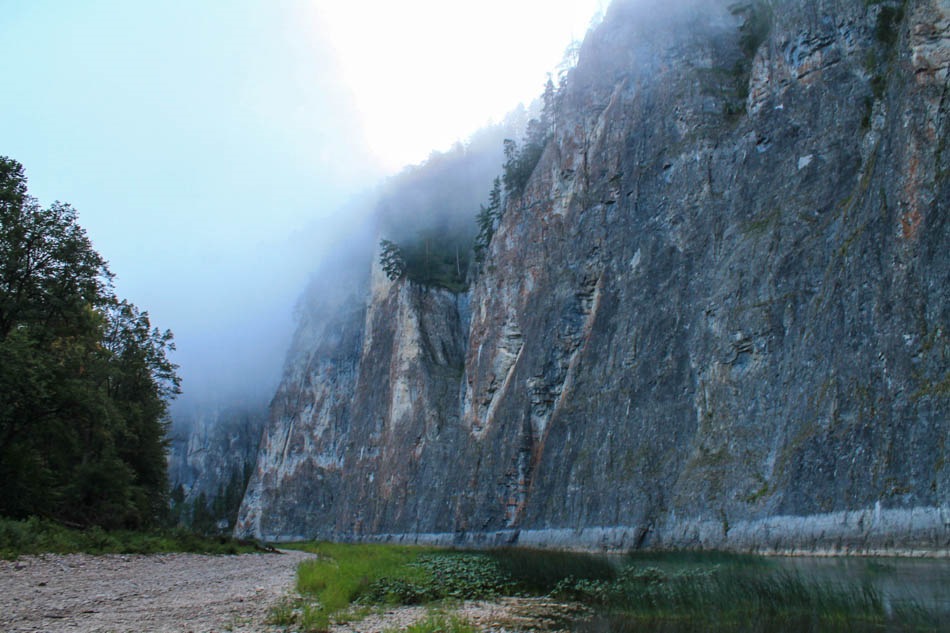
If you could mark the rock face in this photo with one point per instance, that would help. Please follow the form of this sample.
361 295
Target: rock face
717 316
211 450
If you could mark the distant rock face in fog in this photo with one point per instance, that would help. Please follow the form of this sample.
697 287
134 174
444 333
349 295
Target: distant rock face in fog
718 315
210 451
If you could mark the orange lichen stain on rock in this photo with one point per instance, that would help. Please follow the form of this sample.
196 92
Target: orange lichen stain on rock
930 53
809 72
910 224
912 219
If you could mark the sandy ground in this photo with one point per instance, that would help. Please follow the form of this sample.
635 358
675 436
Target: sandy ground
160 593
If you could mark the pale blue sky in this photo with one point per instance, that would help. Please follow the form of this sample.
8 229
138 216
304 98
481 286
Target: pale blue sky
210 145
194 138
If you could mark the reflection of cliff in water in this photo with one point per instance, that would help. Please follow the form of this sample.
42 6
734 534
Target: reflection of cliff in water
902 584
922 582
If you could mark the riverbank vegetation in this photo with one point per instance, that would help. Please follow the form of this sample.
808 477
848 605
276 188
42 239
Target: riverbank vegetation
645 592
37 536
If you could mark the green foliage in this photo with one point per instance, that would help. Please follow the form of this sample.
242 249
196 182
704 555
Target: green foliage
391 259
521 162
438 259
283 613
433 259
216 515
84 378
343 573
756 25
426 214
49 272
457 575
487 220
878 61
441 623
40 536
887 27
695 589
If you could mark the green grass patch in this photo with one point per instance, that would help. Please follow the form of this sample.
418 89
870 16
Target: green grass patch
342 574
368 574
439 623
284 613
40 536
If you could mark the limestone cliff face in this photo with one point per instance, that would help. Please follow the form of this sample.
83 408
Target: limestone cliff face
211 450
717 316
365 420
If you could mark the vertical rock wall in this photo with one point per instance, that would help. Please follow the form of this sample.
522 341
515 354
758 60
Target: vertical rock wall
717 316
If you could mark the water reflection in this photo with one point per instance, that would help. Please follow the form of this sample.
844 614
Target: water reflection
922 582
902 585
622 624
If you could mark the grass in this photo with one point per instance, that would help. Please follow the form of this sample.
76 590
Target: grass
439 623
344 577
342 574
675 591
39 536
284 613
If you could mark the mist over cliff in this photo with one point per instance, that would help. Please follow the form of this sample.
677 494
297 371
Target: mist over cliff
713 312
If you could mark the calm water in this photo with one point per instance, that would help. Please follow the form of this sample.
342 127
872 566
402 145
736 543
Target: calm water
899 582
925 583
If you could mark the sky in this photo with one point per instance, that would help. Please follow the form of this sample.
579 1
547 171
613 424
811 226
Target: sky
213 148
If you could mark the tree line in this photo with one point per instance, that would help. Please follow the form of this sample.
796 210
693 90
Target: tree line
85 378
443 256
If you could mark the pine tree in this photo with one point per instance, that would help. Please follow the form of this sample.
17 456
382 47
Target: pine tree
391 259
487 220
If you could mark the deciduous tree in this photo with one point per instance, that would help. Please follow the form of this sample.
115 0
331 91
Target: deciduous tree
84 378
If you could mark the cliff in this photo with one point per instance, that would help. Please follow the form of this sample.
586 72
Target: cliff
211 453
716 316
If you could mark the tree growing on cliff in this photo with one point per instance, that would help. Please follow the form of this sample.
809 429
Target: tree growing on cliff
84 378
521 161
757 16
391 259
435 258
487 220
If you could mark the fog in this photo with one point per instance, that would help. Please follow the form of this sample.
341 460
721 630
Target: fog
217 151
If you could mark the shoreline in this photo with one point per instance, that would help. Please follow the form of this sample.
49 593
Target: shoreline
921 532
